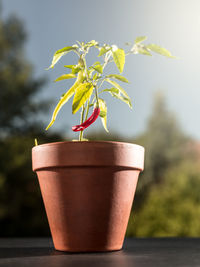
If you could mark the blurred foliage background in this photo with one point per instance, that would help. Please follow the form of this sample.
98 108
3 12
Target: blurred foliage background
167 201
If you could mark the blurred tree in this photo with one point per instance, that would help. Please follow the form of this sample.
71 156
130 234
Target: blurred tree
165 146
21 209
167 200
171 208
16 81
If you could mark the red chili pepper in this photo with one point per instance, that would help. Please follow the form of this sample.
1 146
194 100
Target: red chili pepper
88 122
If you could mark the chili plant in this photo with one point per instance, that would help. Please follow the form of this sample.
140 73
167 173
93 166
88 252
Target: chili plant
89 86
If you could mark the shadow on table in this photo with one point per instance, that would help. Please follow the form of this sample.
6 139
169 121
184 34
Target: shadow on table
27 252
137 252
51 257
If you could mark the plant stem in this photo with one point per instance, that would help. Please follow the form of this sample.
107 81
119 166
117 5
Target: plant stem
96 95
81 136
101 82
85 67
77 53
87 109
82 117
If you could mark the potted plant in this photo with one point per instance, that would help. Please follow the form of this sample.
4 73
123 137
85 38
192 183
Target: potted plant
88 187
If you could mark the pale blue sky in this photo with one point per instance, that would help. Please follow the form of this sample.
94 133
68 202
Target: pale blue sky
174 24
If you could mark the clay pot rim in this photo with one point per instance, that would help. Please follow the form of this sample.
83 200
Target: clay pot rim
88 153
89 142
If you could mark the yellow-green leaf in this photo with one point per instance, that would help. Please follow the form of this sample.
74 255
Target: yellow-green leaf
89 72
111 90
116 85
104 49
140 39
103 113
98 68
83 93
75 68
160 50
69 66
61 52
95 76
65 76
123 98
65 97
143 50
96 63
118 77
91 43
119 58
62 101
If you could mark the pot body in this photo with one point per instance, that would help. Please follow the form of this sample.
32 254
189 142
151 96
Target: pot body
88 190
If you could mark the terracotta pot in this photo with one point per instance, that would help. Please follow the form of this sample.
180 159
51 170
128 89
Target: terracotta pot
88 190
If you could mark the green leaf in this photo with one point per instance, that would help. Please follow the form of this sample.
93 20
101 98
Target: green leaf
116 85
95 76
91 43
140 39
116 93
62 101
103 50
83 93
65 97
89 72
75 68
159 50
118 77
98 68
96 63
65 76
61 52
69 66
103 113
66 49
119 58
121 91
124 99
111 90
143 50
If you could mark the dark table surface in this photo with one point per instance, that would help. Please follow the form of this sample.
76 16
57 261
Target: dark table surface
136 252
